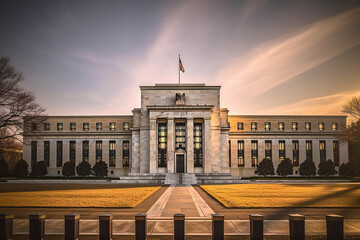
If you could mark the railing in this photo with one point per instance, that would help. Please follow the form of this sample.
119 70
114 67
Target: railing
334 227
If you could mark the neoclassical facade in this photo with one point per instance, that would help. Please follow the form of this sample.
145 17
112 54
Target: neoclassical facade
183 129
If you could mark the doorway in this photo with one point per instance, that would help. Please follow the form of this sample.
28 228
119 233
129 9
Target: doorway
180 163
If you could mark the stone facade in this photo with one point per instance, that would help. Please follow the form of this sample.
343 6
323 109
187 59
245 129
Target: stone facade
181 110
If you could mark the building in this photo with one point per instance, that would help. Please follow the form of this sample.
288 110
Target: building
183 129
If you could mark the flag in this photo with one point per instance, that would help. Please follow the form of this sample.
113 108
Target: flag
181 67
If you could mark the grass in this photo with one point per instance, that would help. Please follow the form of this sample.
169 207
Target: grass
285 195
104 198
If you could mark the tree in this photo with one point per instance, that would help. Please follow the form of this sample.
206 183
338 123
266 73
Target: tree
68 169
39 169
352 107
21 169
4 168
285 168
100 169
326 168
83 169
265 168
307 168
18 110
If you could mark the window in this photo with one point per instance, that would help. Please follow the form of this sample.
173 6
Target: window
86 151
126 154
180 136
198 153
72 126
321 126
295 147
47 152
253 126
72 151
46 126
281 150
112 154
322 147
281 126
307 126
336 153
98 151
254 153
59 153
59 126
294 126
309 150
112 126
334 126
240 126
126 126
162 142
268 149
98 126
33 126
33 152
241 153
268 126
86 126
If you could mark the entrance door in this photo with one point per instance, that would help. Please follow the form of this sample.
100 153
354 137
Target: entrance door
180 163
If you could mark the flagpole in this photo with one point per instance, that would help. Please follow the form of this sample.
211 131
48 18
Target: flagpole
179 69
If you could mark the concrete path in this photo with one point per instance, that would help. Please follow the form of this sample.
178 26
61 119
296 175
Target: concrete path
180 199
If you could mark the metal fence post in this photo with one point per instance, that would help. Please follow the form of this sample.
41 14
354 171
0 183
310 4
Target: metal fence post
6 226
105 227
217 227
334 227
72 226
256 227
297 227
179 226
140 227
37 226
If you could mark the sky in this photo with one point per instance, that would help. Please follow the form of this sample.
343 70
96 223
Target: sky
269 56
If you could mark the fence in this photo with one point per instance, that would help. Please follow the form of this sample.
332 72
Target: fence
334 227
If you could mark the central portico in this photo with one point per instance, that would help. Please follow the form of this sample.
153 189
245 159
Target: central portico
181 129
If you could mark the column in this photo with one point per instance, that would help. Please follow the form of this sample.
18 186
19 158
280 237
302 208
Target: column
105 151
207 145
66 151
190 145
92 152
118 154
153 145
79 153
170 146
135 166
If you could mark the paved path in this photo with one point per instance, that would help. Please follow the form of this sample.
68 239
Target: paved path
180 199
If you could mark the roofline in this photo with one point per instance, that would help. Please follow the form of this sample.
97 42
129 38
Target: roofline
268 115
90 116
175 86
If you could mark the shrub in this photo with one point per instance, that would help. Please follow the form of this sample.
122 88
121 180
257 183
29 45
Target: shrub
346 169
326 168
68 169
265 168
83 169
285 168
21 169
39 169
4 168
307 168
100 169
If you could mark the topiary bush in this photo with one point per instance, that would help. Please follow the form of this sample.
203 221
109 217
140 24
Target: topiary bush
39 169
21 169
68 169
307 168
285 168
326 168
265 168
4 168
100 169
83 169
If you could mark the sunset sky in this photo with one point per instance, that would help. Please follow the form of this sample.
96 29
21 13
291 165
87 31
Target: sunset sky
270 57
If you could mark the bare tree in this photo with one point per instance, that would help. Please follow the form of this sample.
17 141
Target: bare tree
352 107
18 110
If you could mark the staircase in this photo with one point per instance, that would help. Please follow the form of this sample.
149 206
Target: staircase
142 178
218 178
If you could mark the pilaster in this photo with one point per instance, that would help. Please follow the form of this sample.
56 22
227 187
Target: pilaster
153 145
170 146
190 145
207 143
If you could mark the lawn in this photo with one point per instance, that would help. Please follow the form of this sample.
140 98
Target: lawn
285 195
114 197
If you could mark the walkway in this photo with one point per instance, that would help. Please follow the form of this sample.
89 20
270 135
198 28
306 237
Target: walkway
180 199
